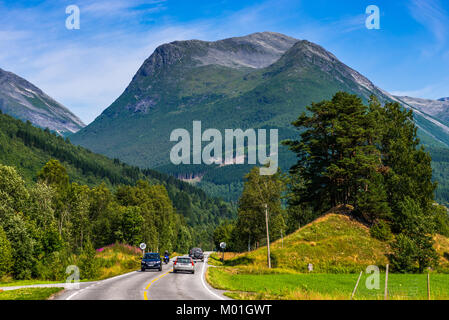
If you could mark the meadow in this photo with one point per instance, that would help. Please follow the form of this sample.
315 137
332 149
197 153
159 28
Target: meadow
339 248
315 286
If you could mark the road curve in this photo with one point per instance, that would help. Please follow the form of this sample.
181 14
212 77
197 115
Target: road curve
148 285
184 286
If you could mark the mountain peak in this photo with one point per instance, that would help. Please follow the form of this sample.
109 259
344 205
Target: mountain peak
314 49
305 55
25 101
256 50
261 80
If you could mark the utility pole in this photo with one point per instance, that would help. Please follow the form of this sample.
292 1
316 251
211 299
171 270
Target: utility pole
386 284
268 237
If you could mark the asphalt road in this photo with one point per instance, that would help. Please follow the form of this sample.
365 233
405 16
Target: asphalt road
148 285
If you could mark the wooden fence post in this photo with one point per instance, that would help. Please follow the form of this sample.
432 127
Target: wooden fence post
356 285
386 284
428 285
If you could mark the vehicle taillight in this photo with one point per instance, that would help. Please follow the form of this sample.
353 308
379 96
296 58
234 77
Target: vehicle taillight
174 263
192 263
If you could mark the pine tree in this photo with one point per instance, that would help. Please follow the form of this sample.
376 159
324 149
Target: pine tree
338 161
369 156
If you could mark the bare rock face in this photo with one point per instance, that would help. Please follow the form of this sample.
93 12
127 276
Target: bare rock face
257 50
21 99
435 108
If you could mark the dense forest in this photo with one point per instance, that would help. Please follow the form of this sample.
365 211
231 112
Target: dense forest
364 157
28 149
46 225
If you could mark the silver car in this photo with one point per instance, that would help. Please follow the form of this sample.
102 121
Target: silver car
184 263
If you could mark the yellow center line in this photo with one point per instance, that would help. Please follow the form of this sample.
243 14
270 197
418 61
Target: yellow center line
145 295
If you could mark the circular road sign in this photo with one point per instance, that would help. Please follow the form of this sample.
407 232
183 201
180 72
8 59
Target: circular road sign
223 245
143 246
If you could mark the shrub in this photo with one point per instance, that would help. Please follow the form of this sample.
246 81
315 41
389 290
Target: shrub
403 259
88 263
413 254
381 231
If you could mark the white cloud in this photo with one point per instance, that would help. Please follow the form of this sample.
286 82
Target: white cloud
432 16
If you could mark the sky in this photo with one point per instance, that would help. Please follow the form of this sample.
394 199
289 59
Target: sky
86 69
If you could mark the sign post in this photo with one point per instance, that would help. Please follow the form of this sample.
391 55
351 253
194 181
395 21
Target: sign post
222 246
143 246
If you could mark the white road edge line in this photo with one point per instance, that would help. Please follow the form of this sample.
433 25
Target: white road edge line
203 273
97 282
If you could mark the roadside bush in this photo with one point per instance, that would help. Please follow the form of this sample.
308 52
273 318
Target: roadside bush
53 267
87 262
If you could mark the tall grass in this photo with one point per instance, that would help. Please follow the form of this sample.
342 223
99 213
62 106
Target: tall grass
117 259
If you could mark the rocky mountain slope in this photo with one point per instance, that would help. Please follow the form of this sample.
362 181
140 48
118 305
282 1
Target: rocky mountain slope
435 108
263 80
21 99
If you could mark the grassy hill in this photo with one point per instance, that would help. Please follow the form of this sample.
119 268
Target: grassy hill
334 243
339 247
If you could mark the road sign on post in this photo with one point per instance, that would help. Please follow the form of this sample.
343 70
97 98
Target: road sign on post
143 246
222 246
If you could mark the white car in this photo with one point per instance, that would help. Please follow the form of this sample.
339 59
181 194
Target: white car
184 263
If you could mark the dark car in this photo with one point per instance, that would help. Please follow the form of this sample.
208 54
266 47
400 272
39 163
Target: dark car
197 254
151 261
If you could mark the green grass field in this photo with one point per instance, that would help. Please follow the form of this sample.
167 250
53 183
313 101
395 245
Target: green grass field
325 286
29 294
339 247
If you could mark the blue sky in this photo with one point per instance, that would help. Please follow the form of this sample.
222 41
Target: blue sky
87 69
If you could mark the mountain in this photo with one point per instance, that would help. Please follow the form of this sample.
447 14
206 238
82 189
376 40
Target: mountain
434 108
263 80
21 99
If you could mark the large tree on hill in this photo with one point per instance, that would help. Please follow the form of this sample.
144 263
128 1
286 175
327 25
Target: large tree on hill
410 190
368 156
337 155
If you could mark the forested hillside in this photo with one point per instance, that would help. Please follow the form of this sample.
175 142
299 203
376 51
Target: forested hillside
28 149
